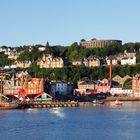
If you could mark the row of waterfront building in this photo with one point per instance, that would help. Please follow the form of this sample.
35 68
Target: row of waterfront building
22 84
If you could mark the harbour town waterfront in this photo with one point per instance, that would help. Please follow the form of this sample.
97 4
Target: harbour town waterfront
69 70
20 88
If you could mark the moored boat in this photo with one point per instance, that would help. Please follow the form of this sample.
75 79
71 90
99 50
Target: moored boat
5 106
97 102
116 103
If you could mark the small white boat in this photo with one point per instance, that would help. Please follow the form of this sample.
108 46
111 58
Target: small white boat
97 101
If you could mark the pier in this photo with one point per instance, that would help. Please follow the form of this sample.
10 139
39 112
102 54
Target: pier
47 105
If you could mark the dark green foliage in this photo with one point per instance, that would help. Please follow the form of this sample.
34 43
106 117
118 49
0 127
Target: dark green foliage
35 54
75 73
76 51
70 74
83 40
128 82
138 57
4 60
131 46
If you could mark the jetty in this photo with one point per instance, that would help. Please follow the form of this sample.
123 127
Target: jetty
47 105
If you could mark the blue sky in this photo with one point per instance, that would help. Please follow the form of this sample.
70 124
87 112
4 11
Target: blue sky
66 21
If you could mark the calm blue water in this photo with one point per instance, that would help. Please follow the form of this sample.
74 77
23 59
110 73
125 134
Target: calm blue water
91 123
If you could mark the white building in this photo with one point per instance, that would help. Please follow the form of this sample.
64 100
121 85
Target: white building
119 91
116 90
41 48
6 50
61 88
127 91
129 61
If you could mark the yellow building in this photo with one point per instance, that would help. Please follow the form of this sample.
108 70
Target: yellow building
136 86
88 62
77 62
23 64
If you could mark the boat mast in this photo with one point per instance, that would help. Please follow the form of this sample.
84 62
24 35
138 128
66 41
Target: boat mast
1 86
2 77
0 90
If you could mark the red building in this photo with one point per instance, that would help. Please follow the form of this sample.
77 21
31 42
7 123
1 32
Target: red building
25 86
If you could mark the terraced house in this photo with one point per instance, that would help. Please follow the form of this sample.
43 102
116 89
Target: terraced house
50 62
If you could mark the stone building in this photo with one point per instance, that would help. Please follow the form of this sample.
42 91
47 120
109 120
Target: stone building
99 43
84 86
50 62
23 64
13 55
114 61
91 87
91 62
88 62
121 80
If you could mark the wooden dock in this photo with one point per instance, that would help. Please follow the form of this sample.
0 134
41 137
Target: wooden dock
47 104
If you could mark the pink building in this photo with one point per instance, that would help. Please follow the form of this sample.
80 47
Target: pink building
91 88
103 89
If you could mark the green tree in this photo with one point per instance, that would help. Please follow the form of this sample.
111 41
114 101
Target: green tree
4 60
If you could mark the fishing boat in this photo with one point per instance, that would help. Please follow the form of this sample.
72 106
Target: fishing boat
5 106
116 103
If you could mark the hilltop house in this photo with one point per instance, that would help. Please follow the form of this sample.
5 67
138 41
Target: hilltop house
23 64
128 61
50 62
88 62
126 58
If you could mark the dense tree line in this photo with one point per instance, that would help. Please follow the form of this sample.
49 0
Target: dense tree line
76 51
32 53
75 73
4 60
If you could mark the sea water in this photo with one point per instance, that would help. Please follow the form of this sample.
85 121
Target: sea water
83 123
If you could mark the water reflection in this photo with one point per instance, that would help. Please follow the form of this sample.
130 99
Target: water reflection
57 112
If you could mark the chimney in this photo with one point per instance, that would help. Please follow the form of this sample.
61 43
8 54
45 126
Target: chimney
110 71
